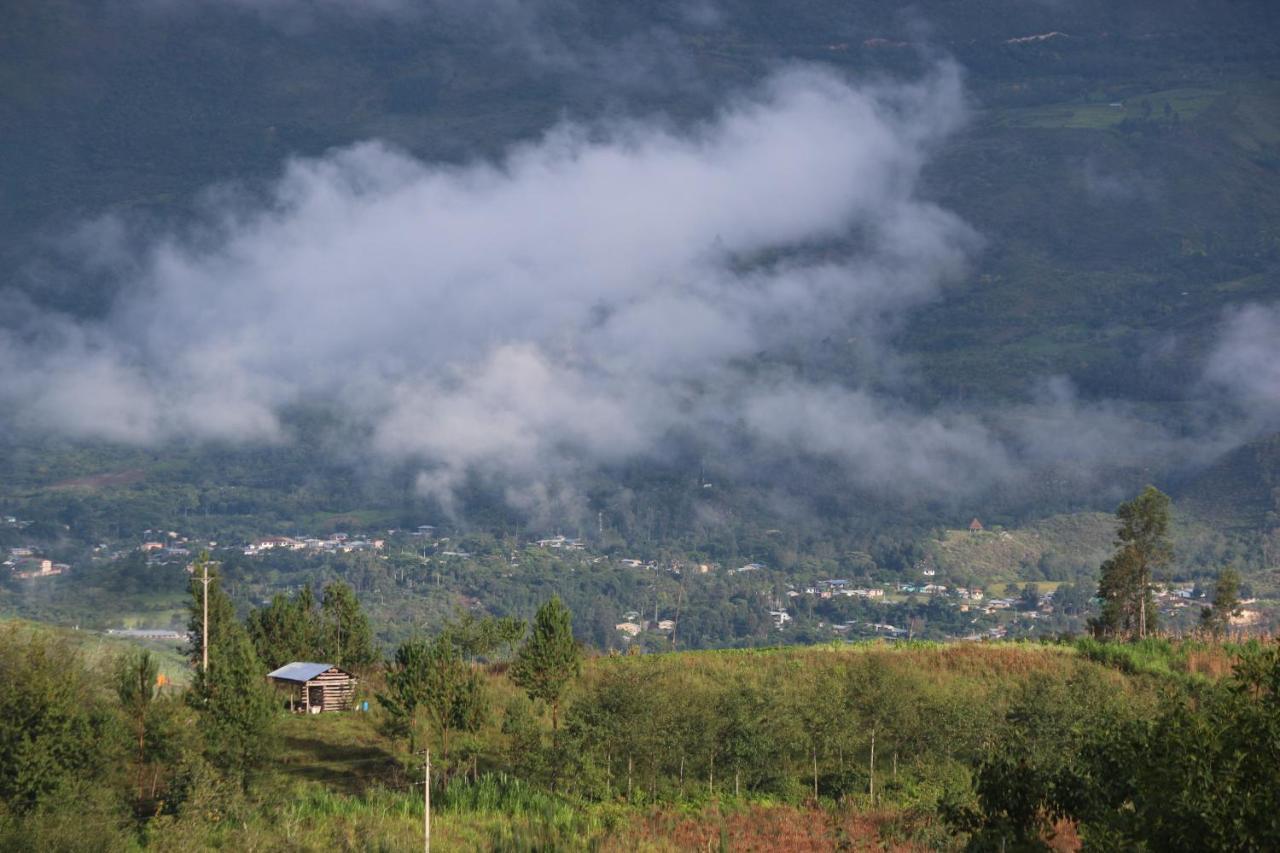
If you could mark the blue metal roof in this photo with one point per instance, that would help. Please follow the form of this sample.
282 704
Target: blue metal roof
300 671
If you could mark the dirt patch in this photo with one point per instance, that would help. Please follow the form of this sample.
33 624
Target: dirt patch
111 479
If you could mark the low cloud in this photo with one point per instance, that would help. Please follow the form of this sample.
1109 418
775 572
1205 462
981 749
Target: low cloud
582 298
584 301
1245 363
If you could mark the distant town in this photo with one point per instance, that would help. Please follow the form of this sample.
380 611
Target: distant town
991 613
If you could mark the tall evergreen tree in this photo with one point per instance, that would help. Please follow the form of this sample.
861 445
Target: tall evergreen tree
1142 546
237 708
288 629
1226 602
550 658
136 686
348 639
55 736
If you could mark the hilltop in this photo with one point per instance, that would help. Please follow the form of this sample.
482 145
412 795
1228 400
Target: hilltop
867 744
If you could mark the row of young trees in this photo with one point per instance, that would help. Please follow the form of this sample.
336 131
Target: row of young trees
1199 770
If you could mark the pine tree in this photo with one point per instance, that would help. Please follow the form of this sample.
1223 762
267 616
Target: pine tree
430 678
550 658
1226 603
136 686
348 639
237 708
288 629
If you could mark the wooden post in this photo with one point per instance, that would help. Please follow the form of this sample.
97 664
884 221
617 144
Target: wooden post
873 768
815 772
204 603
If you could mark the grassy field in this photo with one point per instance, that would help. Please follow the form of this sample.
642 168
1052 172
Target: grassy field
999 556
1106 114
101 650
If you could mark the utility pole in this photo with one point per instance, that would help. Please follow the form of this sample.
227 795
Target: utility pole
204 640
426 804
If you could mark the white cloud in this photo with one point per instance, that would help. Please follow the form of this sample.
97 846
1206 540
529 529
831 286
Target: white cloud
1245 361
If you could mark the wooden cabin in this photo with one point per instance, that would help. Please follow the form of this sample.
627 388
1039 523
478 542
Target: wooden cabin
315 687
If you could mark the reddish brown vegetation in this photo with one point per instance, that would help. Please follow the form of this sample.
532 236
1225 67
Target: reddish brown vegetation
762 829
102 481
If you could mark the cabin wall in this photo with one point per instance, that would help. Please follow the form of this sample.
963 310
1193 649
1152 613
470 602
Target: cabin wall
337 689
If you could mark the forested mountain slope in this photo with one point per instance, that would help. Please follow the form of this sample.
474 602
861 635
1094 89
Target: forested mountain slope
1118 168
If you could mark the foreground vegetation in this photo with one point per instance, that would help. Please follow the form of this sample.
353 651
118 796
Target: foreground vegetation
1153 744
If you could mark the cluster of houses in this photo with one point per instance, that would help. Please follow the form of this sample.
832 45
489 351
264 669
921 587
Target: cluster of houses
24 563
840 587
633 624
1170 600
561 543
335 543
166 546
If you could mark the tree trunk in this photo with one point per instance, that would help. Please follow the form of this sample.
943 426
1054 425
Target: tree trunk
1142 606
629 767
711 779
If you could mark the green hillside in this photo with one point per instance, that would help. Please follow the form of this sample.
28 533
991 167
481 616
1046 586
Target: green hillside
913 746
1065 544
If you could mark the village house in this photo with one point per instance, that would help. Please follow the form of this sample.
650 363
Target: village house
561 543
38 568
315 687
630 629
